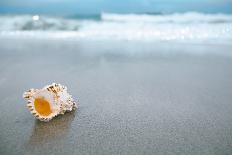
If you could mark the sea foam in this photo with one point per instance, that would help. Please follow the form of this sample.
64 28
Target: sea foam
190 26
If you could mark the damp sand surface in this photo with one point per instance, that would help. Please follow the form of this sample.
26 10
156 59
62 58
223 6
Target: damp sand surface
134 98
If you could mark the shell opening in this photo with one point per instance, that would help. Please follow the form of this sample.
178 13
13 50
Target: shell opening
42 106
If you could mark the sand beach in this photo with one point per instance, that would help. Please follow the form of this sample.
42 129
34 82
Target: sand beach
134 98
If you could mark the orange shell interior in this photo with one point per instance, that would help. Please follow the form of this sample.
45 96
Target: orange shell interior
42 106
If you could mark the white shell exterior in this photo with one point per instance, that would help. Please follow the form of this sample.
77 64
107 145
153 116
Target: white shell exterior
59 99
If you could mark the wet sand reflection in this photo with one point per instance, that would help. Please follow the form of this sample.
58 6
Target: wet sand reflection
57 128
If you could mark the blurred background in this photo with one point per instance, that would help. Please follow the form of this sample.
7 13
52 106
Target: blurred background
143 20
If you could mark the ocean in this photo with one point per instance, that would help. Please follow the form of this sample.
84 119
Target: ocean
178 27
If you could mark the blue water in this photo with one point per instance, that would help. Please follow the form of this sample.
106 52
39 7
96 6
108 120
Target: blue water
191 26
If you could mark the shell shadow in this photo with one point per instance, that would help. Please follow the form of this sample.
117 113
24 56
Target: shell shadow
57 128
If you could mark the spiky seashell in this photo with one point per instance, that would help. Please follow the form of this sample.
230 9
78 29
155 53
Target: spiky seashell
49 101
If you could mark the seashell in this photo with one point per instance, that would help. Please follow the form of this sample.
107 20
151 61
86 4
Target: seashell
49 101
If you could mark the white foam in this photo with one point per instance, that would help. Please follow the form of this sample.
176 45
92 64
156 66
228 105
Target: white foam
35 22
189 17
177 27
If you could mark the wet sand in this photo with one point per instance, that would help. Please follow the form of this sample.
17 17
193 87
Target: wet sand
134 98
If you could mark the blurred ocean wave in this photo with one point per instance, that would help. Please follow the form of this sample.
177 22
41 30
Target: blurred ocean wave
36 22
189 17
146 27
